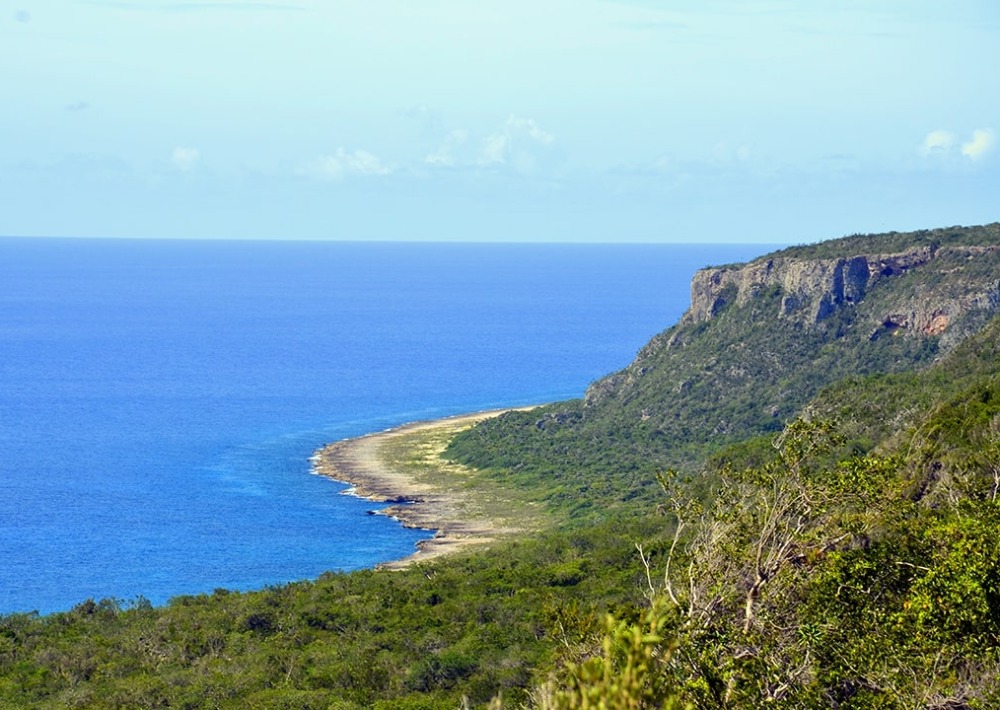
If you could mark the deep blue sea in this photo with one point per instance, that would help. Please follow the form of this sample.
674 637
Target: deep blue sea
160 400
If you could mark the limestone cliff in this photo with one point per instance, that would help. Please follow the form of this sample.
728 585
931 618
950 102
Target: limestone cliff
761 338
759 342
811 290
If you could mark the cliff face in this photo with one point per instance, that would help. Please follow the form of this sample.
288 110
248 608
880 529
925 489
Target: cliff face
761 338
811 289
814 289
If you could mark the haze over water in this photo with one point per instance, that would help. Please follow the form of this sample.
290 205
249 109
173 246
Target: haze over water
159 400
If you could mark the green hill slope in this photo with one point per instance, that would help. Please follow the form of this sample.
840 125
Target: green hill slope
758 342
815 577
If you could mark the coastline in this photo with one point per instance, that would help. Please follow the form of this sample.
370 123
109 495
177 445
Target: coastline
402 467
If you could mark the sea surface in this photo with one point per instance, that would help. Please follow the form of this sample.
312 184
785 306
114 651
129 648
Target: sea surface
160 400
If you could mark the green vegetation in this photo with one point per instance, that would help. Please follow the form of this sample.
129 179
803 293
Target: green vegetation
894 242
700 549
477 627
699 386
859 584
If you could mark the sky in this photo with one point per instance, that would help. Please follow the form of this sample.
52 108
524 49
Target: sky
781 121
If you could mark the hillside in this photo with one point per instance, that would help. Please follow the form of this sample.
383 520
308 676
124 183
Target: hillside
758 341
813 576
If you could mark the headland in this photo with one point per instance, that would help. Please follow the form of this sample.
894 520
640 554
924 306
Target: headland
404 468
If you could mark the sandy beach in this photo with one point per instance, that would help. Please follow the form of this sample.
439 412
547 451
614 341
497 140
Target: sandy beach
403 467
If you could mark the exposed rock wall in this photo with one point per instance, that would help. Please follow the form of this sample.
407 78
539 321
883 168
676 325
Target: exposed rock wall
761 339
813 289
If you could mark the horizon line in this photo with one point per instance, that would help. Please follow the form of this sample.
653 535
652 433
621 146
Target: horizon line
332 240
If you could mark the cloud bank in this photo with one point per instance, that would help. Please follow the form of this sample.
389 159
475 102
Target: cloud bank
451 150
344 163
518 146
516 143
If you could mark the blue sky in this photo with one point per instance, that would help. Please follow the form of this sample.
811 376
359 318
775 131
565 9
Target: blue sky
521 120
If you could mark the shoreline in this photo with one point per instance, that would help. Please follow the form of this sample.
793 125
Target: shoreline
367 465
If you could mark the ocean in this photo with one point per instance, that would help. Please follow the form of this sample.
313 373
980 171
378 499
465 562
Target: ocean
160 399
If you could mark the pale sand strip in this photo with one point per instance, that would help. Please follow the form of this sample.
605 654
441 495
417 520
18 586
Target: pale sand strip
428 492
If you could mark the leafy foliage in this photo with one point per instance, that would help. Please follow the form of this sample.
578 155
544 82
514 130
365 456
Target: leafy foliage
628 674
474 627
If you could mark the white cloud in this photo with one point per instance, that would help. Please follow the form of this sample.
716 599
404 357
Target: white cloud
496 149
185 158
982 143
448 154
946 143
531 128
520 144
937 142
345 163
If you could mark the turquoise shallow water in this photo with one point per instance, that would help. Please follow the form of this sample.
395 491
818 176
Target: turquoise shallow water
160 400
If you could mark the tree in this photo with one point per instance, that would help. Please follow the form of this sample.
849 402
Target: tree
736 562
628 673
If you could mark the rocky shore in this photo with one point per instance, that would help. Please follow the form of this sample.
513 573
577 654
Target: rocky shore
403 468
